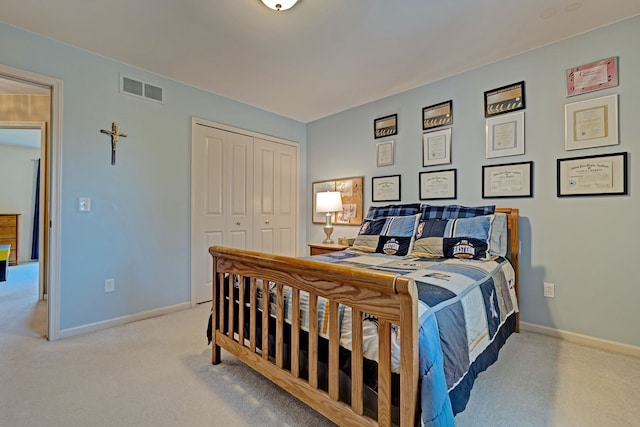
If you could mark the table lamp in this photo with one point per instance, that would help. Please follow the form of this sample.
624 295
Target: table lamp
328 202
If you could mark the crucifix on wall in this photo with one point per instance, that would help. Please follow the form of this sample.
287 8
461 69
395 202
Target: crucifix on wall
115 135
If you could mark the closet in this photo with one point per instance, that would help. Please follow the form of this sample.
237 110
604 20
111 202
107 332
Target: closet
244 194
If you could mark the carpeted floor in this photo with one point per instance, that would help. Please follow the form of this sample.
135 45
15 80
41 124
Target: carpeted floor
157 372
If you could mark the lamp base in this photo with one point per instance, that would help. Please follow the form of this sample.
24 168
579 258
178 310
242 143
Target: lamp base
328 230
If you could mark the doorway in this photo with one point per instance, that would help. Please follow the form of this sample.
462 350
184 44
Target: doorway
16 88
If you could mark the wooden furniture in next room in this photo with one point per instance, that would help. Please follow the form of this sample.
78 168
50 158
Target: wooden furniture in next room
9 234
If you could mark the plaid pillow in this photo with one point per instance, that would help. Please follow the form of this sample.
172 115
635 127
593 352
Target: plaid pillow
454 211
388 235
478 237
393 210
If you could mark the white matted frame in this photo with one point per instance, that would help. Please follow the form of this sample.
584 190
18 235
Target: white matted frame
505 135
436 147
591 123
384 153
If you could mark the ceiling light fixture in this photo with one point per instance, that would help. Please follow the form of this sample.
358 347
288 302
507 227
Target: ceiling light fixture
279 4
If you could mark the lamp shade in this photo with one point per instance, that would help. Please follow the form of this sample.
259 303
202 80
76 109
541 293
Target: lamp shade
329 201
279 4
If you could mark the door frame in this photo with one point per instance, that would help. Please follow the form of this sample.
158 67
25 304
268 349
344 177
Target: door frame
53 165
42 217
195 121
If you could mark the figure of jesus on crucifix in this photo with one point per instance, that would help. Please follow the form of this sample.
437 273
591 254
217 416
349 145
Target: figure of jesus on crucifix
115 135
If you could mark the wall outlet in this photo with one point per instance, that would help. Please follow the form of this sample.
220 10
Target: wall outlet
549 290
109 285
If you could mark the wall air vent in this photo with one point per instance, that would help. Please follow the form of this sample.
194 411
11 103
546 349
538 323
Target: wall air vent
141 89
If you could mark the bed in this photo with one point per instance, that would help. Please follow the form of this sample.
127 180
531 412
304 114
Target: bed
316 315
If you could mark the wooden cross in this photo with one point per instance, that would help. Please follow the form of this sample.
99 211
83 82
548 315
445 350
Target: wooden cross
115 134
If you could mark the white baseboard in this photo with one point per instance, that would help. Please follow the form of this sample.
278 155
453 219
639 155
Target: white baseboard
97 326
629 350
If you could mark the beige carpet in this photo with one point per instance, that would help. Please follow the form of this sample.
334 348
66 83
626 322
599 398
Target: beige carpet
157 372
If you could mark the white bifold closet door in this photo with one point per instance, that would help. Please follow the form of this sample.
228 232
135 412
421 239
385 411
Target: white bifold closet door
244 195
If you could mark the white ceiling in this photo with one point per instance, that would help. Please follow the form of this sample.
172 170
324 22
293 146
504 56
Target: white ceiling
318 58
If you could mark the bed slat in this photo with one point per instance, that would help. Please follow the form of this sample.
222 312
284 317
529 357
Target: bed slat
384 373
295 332
334 350
357 402
313 341
252 314
265 320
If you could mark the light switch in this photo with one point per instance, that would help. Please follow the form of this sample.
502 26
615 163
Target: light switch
84 204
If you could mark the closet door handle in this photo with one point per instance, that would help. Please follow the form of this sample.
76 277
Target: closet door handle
266 221
238 223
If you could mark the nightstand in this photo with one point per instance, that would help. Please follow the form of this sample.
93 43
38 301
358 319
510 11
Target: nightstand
325 248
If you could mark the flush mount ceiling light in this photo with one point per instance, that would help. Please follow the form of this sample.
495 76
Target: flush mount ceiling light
279 4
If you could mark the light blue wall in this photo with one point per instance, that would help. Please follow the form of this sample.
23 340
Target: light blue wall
139 227
586 246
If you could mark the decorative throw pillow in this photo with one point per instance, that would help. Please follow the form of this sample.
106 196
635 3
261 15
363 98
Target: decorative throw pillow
478 237
393 235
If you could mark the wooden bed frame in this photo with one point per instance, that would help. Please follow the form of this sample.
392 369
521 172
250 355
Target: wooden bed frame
392 299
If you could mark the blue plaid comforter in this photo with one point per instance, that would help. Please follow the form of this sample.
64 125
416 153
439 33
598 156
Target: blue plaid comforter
466 312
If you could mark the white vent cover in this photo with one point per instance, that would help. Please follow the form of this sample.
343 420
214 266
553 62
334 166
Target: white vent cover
141 89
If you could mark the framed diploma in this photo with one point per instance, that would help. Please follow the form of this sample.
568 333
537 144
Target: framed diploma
352 201
504 99
591 123
438 185
505 135
436 147
507 180
594 76
385 188
384 153
601 175
437 115
385 126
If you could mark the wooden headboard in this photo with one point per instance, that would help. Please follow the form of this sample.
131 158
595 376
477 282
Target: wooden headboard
513 249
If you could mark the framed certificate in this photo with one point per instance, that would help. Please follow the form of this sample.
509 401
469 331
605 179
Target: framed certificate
505 135
601 175
594 76
385 188
436 147
438 185
591 123
384 153
507 180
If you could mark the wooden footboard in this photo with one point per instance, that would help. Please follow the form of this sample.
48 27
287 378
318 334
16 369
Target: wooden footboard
392 299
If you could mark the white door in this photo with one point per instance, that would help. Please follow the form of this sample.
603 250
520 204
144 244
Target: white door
276 189
221 186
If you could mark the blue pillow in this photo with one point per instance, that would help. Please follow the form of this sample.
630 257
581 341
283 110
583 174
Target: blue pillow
392 235
393 210
480 237
454 211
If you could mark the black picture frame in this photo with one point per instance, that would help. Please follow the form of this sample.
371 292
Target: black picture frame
507 180
438 185
505 99
437 115
385 126
591 175
386 188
